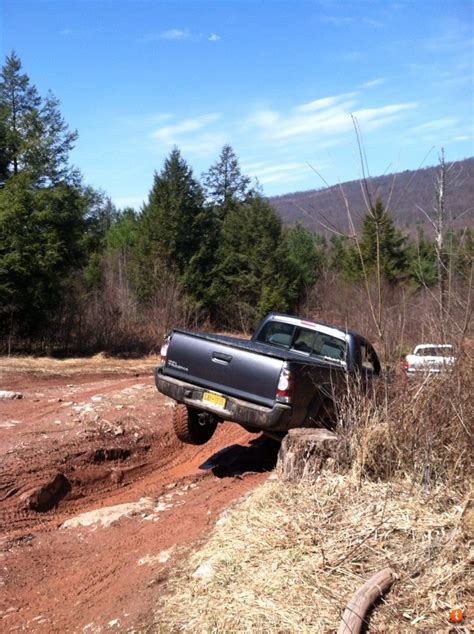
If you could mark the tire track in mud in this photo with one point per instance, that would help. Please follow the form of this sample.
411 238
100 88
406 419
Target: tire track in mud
124 451
93 577
90 480
93 474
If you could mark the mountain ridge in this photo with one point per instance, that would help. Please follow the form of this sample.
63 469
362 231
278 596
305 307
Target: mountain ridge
404 194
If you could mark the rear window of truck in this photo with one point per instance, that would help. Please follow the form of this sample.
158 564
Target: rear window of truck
303 340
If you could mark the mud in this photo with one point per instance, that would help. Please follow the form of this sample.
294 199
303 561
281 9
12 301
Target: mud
98 499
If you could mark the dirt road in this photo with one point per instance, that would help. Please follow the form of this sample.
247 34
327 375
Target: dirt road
98 500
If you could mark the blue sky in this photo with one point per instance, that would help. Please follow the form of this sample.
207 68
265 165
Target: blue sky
277 79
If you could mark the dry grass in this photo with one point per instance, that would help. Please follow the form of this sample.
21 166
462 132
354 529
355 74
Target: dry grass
288 559
99 363
419 429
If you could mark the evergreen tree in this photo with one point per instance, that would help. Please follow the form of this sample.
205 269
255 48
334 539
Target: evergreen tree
305 257
421 254
33 134
4 154
42 206
382 245
464 258
250 277
122 233
224 183
40 246
169 229
101 214
343 258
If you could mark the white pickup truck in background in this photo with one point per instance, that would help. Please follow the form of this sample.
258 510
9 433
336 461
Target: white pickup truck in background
429 357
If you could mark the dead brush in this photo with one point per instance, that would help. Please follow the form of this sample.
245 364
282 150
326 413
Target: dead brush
288 558
419 428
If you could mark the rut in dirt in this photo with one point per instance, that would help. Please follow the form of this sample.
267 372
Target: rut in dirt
40 491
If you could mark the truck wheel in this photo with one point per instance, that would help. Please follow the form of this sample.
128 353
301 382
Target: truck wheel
189 425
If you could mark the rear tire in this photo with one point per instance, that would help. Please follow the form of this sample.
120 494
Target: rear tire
188 427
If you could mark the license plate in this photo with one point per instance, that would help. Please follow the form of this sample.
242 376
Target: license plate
215 399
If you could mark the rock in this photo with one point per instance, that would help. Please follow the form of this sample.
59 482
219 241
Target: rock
204 572
10 395
47 495
109 515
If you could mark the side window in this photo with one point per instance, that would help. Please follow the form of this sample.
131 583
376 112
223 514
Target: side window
366 358
369 358
319 344
331 348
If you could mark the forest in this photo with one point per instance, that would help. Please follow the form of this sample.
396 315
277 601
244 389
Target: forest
78 275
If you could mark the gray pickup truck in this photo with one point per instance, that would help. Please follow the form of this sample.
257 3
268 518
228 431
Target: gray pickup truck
289 374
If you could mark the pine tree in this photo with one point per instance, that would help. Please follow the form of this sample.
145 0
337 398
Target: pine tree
33 133
382 246
304 258
250 277
421 254
224 183
40 246
169 229
4 153
42 207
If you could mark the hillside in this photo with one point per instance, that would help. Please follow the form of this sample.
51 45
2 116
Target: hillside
406 191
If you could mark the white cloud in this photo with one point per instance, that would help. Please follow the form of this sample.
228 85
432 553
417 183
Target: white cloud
268 172
329 116
345 21
436 124
179 35
371 22
174 34
320 104
204 145
374 82
462 137
264 118
65 32
193 136
170 132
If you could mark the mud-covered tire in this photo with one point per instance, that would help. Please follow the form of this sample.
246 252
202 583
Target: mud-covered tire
188 428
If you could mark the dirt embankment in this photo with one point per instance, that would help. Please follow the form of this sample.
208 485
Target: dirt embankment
98 500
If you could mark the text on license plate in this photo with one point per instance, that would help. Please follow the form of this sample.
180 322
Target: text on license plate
215 399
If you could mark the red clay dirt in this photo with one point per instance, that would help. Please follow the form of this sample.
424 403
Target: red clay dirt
99 500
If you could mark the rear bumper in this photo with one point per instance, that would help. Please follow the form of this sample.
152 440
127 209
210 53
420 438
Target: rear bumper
276 418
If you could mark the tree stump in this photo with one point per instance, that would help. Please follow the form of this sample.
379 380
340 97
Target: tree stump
303 453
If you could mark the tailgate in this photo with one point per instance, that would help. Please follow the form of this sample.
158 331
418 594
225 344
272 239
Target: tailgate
236 371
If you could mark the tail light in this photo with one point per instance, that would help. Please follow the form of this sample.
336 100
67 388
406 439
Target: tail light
284 392
406 365
164 353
